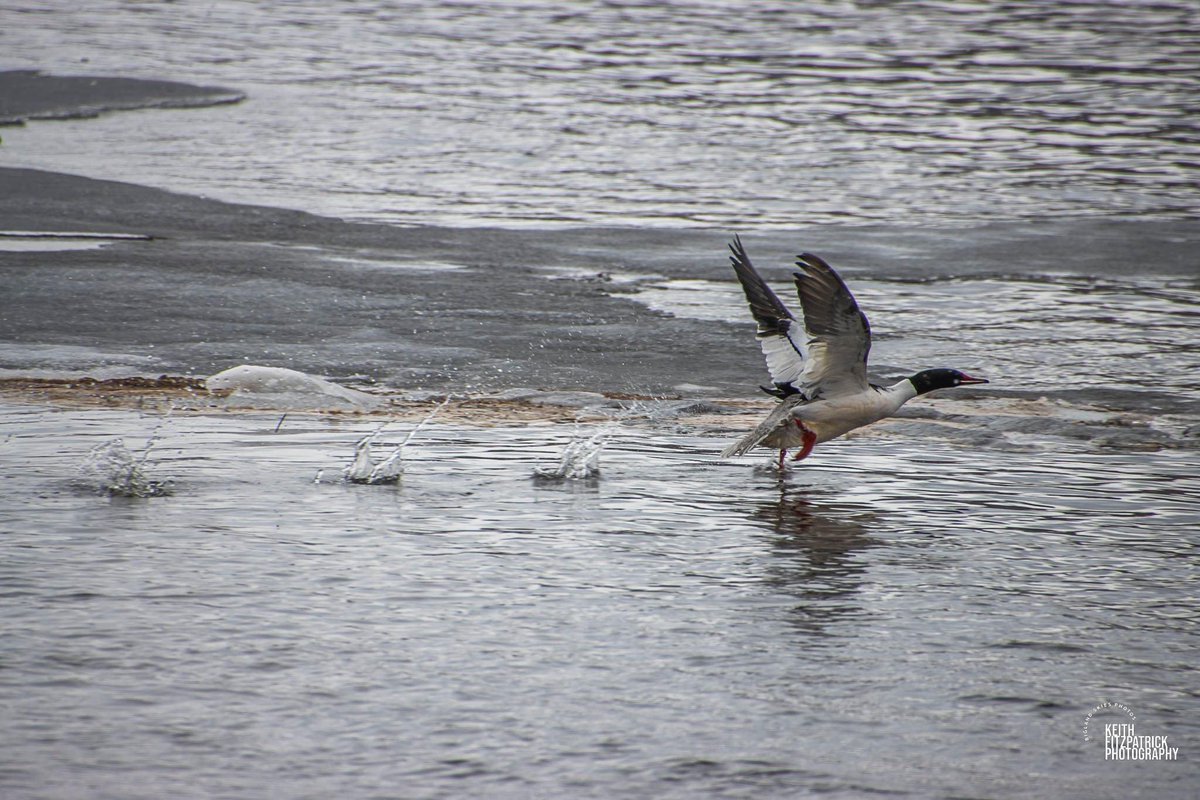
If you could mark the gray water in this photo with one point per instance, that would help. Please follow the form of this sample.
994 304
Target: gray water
939 625
698 113
930 609
1036 335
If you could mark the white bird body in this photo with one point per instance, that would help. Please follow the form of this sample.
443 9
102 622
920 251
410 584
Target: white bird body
825 395
826 419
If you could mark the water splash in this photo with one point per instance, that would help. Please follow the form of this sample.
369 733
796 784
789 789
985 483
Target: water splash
112 469
365 469
580 459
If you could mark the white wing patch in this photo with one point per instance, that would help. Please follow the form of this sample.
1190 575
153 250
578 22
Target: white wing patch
784 354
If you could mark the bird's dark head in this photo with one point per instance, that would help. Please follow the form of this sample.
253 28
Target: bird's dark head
930 379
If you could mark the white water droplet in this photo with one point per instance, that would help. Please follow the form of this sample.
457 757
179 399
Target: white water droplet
579 459
112 469
365 469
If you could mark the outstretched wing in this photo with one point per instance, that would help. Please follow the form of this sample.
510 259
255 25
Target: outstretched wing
839 336
779 334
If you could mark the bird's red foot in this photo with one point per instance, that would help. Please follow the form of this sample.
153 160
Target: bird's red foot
809 439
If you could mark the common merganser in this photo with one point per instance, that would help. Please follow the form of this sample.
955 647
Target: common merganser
827 394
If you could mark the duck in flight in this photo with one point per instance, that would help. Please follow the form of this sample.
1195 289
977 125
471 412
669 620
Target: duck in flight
826 394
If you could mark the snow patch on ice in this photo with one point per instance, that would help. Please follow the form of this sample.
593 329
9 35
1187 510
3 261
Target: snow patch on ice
280 387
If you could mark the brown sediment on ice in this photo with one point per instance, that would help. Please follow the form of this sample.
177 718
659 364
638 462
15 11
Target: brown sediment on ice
130 392
190 395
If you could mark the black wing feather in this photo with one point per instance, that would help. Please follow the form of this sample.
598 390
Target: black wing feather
772 316
830 310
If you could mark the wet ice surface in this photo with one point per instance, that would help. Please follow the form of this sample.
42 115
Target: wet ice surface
922 619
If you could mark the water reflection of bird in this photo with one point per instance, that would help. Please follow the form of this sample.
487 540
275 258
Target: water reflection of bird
827 394
818 563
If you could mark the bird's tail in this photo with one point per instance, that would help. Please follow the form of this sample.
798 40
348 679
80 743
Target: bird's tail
743 445
777 418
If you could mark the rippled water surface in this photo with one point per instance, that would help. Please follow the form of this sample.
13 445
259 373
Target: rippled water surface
680 113
1033 333
920 622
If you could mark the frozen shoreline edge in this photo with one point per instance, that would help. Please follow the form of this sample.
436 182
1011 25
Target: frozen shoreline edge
31 95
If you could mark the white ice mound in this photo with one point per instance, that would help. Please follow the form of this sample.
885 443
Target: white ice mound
280 387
